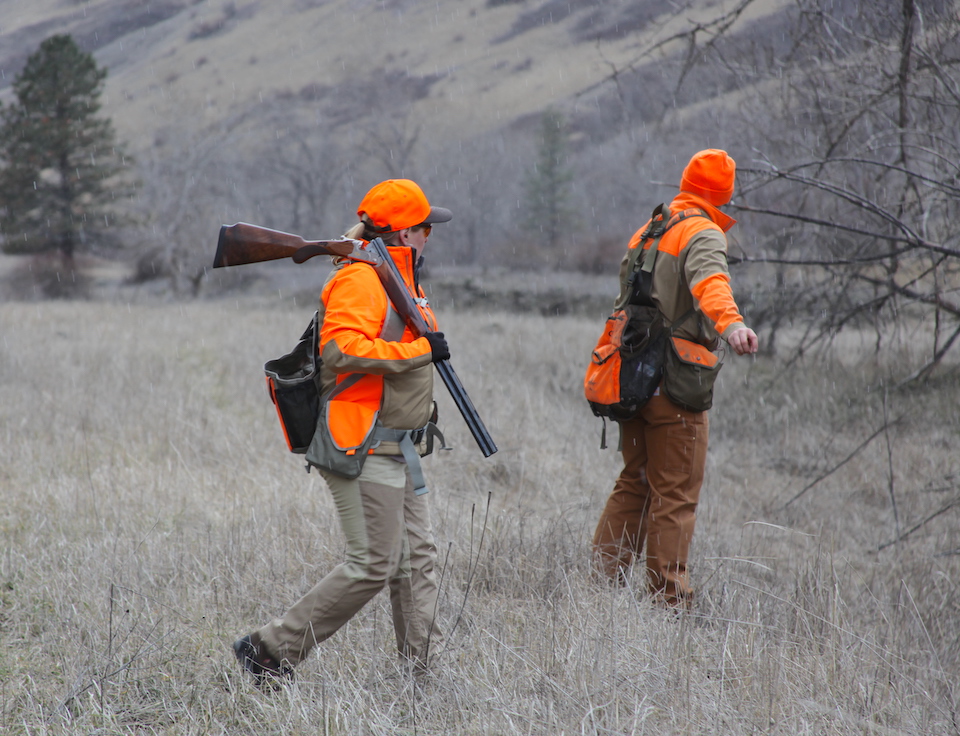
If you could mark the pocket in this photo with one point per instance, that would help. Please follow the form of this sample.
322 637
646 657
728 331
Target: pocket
298 406
324 453
681 449
642 368
642 325
601 384
293 386
627 363
603 353
690 373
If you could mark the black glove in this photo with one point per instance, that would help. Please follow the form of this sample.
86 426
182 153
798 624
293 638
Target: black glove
438 346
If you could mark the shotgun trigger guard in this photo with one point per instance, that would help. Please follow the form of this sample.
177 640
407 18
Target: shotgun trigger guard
309 251
355 250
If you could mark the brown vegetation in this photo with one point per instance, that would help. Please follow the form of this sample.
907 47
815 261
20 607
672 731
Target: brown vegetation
843 118
152 514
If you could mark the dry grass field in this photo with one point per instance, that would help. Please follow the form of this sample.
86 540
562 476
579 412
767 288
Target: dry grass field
152 514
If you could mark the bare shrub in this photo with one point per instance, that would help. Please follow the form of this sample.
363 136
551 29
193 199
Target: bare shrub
865 163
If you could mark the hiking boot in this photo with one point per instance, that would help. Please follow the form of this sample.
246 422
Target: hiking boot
254 658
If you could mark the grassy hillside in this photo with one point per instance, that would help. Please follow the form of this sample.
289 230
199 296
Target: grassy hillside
285 112
472 66
151 514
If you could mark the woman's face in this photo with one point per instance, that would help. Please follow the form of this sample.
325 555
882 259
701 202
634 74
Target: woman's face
416 237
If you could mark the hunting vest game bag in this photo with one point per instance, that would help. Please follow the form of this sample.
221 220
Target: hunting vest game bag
293 382
294 385
627 364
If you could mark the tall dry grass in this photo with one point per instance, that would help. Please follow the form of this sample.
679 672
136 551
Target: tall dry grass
152 514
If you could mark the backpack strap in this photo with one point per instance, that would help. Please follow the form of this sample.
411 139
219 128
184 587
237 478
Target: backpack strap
393 325
660 222
640 281
680 320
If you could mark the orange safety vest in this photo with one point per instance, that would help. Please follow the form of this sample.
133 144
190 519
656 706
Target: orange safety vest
704 280
396 383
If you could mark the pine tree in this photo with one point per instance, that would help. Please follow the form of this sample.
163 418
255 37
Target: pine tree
58 160
548 211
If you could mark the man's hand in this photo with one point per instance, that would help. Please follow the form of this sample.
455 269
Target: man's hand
438 346
744 341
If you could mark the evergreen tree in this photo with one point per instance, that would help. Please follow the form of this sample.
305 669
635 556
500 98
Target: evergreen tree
548 210
58 160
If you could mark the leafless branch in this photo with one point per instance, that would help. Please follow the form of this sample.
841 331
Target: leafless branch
715 28
843 462
920 525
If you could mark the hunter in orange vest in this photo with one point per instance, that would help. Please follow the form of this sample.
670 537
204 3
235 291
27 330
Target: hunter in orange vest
384 404
654 501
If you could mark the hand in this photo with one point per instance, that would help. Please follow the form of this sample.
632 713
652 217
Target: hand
438 346
744 341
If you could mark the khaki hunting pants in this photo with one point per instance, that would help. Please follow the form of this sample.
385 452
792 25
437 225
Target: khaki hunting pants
654 501
389 542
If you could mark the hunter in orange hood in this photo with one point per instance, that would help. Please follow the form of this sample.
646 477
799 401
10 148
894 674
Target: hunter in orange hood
653 503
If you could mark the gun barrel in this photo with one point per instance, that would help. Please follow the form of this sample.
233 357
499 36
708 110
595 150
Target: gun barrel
403 301
470 415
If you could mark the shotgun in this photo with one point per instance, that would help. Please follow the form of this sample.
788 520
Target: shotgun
243 243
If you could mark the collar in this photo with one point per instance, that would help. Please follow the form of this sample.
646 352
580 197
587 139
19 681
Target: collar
403 256
685 200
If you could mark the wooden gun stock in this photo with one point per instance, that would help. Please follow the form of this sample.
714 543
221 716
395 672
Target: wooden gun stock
242 243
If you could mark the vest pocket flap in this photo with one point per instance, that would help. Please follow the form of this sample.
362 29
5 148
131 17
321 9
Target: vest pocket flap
693 353
603 353
349 424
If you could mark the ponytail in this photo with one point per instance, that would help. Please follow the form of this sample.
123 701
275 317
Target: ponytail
366 230
356 232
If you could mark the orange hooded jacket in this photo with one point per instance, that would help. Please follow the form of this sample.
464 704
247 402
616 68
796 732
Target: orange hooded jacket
397 382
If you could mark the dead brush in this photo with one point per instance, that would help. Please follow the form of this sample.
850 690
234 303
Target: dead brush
152 514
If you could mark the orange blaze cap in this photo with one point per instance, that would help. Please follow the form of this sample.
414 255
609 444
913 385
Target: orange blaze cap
710 174
396 204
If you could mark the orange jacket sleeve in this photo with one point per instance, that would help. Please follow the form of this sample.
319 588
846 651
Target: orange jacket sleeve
715 299
356 308
705 269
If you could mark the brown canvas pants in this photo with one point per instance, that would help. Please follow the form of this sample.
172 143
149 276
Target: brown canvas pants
389 542
654 501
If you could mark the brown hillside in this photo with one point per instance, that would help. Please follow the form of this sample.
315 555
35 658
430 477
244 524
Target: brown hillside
473 65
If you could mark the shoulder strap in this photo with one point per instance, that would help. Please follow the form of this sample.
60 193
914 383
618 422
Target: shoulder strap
660 222
393 325
683 318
